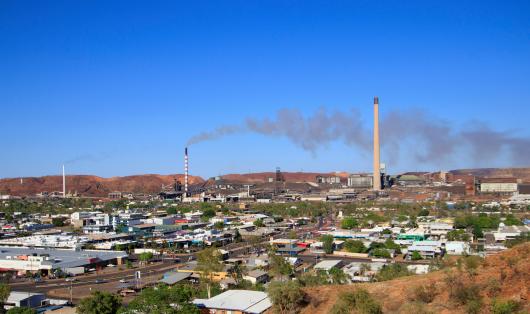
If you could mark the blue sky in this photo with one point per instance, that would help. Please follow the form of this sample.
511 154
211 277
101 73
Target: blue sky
118 87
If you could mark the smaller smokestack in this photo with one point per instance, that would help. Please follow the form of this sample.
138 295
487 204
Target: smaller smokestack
186 171
64 184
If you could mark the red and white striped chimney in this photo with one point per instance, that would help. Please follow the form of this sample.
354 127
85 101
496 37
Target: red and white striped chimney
186 171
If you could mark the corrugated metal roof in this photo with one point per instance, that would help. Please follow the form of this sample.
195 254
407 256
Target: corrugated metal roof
247 301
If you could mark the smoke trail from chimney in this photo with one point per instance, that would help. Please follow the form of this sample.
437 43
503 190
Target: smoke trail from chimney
435 140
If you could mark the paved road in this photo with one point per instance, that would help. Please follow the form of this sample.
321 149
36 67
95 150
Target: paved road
113 275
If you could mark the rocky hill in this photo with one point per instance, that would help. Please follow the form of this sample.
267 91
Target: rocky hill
500 278
87 185
520 173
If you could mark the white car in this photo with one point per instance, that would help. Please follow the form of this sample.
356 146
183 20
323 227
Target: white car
123 281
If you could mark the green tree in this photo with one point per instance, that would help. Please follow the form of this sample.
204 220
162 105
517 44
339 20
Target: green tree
457 235
415 256
393 271
58 222
423 212
259 223
100 303
355 246
286 297
349 223
319 278
163 300
5 291
145 257
208 213
208 263
511 220
381 253
21 310
279 267
477 232
219 225
391 245
237 236
337 275
327 243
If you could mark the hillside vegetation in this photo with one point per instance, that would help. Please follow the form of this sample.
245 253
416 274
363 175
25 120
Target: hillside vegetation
498 284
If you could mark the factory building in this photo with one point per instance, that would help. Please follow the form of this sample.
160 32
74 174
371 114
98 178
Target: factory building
328 179
360 181
498 185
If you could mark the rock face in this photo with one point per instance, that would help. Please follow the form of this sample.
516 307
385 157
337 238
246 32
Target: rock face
519 173
87 185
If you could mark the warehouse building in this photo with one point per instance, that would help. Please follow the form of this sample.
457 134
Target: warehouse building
498 185
47 261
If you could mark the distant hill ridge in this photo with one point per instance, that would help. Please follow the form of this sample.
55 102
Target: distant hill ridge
89 185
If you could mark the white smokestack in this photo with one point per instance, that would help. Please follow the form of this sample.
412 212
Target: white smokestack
377 153
64 183
186 171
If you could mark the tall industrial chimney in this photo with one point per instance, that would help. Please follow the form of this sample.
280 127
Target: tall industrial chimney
64 183
186 171
377 153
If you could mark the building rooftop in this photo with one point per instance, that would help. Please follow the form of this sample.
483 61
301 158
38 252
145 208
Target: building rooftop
62 258
327 265
498 180
174 277
17 296
254 302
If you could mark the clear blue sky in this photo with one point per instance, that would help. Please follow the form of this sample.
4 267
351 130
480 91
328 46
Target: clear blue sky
120 86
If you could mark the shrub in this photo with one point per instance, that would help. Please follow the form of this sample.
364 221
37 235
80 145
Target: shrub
393 271
425 293
463 294
414 307
327 243
358 301
354 246
474 306
349 223
416 256
286 297
493 287
506 307
472 263
381 253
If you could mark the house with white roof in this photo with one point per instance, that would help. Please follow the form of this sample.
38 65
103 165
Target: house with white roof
457 248
236 301
427 249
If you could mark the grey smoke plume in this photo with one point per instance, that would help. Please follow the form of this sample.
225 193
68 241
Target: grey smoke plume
432 139
86 157
310 133
215 134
